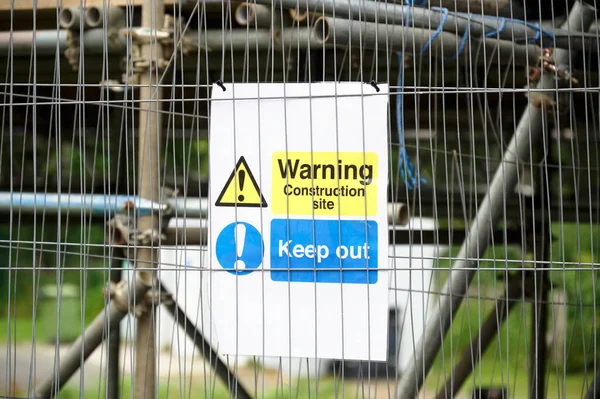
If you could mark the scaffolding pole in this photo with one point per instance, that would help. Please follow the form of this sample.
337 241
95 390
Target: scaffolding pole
539 327
108 321
146 257
540 286
479 26
594 389
205 348
486 334
528 133
114 335
93 336
110 205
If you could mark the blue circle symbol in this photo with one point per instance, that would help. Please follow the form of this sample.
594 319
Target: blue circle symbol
240 248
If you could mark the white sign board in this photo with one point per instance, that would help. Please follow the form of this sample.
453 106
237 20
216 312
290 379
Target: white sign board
298 234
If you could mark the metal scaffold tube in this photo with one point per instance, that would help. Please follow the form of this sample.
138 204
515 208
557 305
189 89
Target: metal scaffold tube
487 332
150 123
528 133
255 15
97 16
114 336
226 375
378 36
477 26
92 204
109 205
46 42
416 37
594 389
93 336
373 35
500 8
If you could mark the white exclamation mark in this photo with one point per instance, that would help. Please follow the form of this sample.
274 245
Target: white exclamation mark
240 236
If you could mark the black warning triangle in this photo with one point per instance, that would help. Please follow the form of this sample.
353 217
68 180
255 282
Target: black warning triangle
241 189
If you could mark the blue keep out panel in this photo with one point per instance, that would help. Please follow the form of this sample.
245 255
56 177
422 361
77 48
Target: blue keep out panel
325 251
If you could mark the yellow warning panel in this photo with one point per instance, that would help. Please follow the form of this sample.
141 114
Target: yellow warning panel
241 189
325 183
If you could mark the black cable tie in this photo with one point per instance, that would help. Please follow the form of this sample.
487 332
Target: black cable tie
374 84
219 83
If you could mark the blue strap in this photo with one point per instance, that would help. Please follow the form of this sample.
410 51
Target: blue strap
461 46
407 170
538 28
412 3
500 29
438 30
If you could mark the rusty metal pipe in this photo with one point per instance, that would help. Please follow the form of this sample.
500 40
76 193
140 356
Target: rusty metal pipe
96 15
297 15
70 18
255 15
378 36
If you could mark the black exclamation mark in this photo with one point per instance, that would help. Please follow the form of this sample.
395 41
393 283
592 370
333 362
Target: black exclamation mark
242 177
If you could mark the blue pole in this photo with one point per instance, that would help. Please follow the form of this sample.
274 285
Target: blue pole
93 204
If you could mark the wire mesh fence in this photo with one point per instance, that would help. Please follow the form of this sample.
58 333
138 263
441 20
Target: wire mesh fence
299 198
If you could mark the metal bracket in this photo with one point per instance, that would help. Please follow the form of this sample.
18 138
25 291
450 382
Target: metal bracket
177 24
117 293
138 64
114 86
123 232
73 49
146 35
563 73
149 237
74 40
563 77
122 226
152 298
163 37
166 194
546 63
134 59
540 100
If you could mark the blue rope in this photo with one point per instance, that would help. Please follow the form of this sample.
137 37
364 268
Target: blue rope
405 166
461 45
500 29
536 27
407 170
409 173
438 30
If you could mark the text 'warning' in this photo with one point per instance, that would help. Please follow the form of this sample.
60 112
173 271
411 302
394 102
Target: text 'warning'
325 183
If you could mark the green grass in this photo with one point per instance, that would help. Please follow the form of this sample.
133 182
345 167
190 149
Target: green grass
490 373
20 330
328 388
166 390
511 343
506 360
